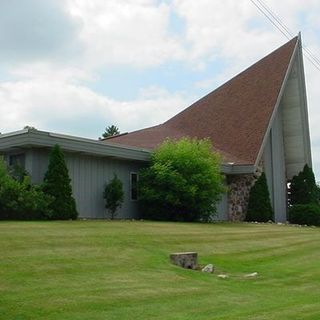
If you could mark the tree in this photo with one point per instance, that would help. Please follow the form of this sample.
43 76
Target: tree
259 205
303 188
57 184
110 131
29 128
183 182
113 194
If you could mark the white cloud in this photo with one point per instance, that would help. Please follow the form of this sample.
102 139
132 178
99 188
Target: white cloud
125 32
36 29
48 100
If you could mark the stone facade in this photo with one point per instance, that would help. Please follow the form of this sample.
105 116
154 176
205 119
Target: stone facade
238 194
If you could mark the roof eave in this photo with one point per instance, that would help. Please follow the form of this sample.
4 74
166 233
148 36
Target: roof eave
36 138
232 169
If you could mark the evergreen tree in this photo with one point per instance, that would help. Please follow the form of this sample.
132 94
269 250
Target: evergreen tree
113 194
111 131
259 206
57 185
303 188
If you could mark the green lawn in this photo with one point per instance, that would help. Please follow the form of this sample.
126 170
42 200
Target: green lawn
120 270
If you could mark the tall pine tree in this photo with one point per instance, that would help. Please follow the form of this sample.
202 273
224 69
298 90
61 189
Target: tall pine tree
259 206
303 188
110 131
57 184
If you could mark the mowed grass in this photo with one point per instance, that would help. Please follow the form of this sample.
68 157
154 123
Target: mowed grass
120 270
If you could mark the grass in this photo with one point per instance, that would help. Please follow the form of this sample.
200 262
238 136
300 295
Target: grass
120 270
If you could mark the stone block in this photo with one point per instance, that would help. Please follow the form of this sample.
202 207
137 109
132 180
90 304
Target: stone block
187 260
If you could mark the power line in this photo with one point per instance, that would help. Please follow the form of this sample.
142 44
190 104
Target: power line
286 29
277 22
281 26
270 19
276 17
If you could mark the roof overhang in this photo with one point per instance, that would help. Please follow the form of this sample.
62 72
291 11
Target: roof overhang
231 169
31 138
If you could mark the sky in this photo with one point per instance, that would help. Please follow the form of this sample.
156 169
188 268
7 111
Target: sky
77 66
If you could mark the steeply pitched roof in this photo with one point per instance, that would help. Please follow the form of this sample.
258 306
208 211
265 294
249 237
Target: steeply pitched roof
235 116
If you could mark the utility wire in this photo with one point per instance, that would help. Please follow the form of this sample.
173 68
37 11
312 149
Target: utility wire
276 18
277 22
286 29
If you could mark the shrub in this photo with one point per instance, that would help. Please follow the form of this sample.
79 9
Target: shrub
259 206
305 214
183 182
303 188
113 194
17 172
21 200
57 185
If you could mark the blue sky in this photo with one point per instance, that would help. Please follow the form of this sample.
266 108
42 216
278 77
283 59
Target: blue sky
76 66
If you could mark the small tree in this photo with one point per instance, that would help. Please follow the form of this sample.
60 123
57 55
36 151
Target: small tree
303 188
110 131
57 184
183 182
113 194
259 206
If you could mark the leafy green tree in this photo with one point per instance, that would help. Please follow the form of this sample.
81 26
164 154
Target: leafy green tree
183 182
259 205
111 131
57 184
303 188
114 195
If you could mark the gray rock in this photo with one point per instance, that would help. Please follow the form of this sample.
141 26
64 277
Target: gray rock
208 268
251 275
223 276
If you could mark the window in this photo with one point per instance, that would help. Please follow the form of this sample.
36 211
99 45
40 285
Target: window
17 160
134 186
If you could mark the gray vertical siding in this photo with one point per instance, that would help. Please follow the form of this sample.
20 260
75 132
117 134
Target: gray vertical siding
89 175
222 209
274 166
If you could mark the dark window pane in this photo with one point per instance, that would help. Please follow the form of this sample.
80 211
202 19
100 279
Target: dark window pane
17 160
134 186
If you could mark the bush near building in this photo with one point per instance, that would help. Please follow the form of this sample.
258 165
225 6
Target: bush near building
303 188
304 198
20 200
259 205
183 182
308 214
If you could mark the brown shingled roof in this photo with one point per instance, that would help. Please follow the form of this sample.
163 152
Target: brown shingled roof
235 116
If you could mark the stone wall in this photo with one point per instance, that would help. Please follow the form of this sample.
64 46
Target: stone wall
238 194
